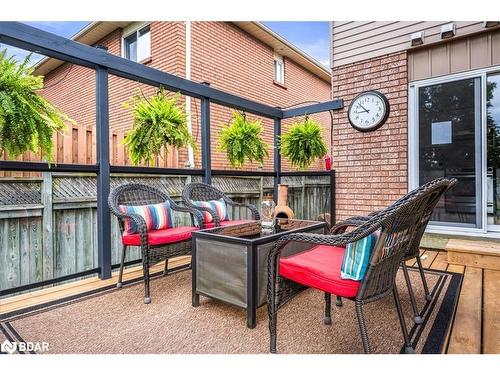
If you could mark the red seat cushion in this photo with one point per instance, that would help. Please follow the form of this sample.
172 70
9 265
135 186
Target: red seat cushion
160 237
228 222
319 268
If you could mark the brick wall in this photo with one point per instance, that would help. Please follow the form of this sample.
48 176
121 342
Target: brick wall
371 167
222 54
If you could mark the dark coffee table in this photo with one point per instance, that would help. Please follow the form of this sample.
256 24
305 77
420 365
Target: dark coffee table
230 263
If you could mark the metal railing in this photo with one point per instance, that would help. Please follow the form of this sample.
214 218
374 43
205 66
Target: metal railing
28 38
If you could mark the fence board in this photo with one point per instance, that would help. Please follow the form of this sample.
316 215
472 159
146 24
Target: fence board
65 248
24 251
12 244
36 256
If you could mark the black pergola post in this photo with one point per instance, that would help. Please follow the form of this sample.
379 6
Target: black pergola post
103 177
206 153
277 156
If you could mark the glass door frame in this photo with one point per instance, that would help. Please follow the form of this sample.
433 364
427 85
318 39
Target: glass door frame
413 145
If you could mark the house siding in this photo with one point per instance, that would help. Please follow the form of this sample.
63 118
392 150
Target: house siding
469 53
358 41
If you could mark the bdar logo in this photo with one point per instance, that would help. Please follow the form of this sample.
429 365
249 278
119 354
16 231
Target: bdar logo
8 347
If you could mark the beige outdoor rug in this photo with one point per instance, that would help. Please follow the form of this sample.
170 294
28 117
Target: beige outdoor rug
117 321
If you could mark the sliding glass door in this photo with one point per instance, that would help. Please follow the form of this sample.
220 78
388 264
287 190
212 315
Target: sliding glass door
449 137
493 150
454 131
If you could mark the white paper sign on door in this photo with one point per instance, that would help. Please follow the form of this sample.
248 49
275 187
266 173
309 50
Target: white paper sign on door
441 133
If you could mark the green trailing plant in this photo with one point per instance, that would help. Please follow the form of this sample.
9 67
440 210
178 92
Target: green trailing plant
303 143
27 120
241 139
158 122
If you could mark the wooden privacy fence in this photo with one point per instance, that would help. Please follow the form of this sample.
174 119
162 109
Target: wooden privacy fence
48 225
78 145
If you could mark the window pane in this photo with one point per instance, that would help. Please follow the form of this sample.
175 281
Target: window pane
493 157
278 71
448 147
131 47
144 44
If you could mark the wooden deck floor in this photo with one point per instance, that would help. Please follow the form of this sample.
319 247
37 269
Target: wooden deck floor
476 326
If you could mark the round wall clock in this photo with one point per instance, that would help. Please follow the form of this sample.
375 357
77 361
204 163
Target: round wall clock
368 111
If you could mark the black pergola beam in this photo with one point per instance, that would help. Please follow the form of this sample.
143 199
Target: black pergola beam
31 166
32 39
314 108
241 173
155 170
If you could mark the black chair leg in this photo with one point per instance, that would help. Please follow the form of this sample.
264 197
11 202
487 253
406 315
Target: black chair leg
408 347
362 327
271 309
165 270
145 267
328 307
428 296
338 301
417 318
120 275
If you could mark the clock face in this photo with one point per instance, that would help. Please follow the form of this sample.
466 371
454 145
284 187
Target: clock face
368 111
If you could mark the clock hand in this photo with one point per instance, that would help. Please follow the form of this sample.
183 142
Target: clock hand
366 110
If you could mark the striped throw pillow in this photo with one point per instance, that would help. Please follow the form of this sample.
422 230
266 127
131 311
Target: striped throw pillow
357 257
157 216
219 206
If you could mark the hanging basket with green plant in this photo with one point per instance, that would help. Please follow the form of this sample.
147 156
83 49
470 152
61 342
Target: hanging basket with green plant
241 139
303 143
159 122
27 120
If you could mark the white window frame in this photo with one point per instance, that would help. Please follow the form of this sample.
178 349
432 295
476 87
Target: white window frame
279 60
413 157
134 28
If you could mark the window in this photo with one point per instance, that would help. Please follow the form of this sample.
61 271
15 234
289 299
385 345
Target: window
137 46
279 69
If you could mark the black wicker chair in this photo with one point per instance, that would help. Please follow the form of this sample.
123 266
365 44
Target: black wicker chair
203 192
413 252
398 225
138 195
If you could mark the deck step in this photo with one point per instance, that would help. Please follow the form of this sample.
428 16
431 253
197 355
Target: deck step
481 254
466 334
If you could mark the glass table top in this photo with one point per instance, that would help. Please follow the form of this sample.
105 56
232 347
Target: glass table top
252 230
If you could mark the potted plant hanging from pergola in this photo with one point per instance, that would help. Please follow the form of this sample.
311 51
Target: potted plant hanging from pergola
241 140
303 143
27 120
159 121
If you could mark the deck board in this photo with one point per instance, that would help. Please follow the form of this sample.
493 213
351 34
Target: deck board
440 262
428 257
491 312
466 334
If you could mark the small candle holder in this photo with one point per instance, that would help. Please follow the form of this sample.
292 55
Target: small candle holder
268 208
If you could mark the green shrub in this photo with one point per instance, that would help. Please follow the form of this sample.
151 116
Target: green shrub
27 120
303 143
241 139
158 122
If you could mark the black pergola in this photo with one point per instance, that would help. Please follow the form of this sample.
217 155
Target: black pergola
29 38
